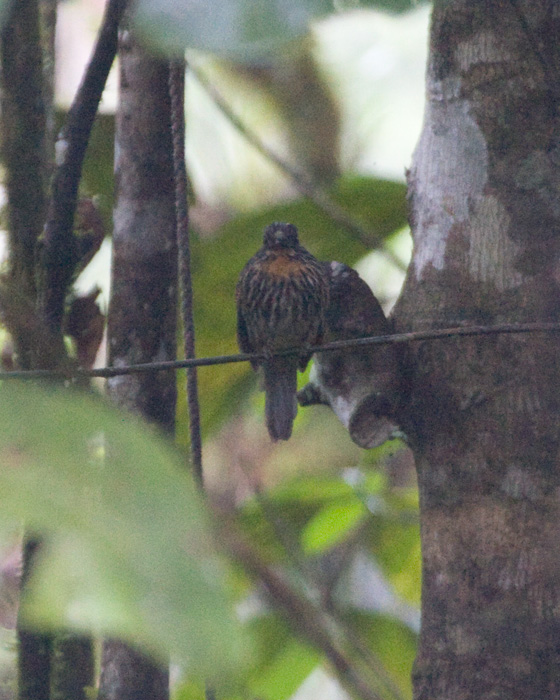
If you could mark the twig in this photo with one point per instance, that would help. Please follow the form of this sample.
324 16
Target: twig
177 93
308 620
59 254
414 336
304 184
356 648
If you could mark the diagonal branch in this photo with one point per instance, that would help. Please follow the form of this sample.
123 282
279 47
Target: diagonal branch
59 252
308 620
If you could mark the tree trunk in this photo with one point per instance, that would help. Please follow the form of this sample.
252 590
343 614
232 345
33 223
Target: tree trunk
143 310
483 413
73 667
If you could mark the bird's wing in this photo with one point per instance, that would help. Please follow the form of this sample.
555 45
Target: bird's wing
242 335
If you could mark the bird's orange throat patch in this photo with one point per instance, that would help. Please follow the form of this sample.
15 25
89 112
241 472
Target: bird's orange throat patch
283 265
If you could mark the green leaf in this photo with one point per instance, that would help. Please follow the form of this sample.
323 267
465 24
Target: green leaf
245 30
127 546
286 672
332 525
393 642
312 490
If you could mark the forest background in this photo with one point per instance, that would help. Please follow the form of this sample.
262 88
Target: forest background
343 109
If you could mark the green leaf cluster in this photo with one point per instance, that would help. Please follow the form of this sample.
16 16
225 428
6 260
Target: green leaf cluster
351 542
128 549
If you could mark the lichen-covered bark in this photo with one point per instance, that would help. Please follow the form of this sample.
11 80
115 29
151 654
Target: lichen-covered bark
143 309
483 413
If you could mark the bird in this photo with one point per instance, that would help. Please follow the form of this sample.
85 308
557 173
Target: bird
282 297
363 385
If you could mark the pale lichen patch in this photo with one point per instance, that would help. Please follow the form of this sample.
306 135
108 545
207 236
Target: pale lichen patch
492 253
482 47
451 171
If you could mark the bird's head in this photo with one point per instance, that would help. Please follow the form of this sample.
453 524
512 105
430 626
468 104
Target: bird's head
279 235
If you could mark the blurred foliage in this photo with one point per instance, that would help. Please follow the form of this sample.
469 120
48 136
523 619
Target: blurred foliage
242 29
320 531
251 31
128 544
377 624
128 548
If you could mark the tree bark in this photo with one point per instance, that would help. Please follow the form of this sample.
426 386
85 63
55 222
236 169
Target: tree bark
143 309
23 127
482 415
73 667
23 145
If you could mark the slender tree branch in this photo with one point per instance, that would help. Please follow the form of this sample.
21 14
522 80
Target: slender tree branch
303 183
309 621
177 94
59 251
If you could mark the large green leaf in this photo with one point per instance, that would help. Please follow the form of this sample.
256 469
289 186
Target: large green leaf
127 547
245 30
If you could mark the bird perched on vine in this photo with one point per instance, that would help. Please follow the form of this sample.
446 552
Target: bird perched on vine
363 385
282 297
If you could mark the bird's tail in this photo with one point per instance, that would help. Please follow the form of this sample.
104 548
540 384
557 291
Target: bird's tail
280 385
